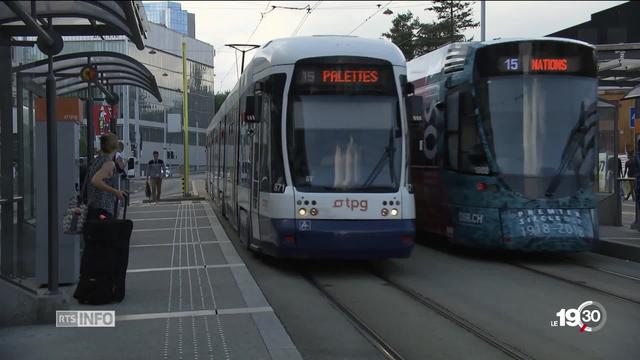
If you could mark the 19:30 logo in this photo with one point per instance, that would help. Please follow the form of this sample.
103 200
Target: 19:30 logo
590 316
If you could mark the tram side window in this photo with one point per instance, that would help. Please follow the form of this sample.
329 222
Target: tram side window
453 130
271 162
277 163
472 156
464 148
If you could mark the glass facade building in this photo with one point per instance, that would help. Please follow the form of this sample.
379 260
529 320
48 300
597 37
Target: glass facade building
142 120
171 15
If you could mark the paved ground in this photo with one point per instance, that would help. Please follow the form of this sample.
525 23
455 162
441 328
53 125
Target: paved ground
621 241
483 306
189 296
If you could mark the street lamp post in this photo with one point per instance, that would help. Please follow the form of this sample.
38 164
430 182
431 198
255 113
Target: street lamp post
243 48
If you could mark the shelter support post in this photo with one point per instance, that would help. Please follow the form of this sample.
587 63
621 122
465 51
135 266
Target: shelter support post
6 166
52 181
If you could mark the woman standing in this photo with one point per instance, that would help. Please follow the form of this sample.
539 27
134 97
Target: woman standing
101 189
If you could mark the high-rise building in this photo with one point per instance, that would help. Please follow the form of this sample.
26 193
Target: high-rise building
171 15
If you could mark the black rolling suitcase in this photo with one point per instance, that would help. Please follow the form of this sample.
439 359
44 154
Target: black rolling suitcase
105 258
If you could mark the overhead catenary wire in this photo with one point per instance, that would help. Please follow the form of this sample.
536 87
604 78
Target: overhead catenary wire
370 16
262 14
305 17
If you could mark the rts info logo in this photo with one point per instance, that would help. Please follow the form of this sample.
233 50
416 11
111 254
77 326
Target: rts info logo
590 316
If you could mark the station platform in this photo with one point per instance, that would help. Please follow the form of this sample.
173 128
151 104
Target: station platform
621 241
189 296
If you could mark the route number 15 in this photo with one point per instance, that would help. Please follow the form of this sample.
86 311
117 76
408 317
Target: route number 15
512 64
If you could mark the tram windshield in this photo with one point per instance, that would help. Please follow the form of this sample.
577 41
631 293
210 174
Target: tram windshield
541 127
538 100
344 143
343 126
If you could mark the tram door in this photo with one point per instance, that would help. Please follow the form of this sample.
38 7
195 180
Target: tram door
258 142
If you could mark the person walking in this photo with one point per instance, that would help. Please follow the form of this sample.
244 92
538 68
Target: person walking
636 164
155 169
630 172
102 189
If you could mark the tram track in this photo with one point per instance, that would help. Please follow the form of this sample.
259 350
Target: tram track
387 350
371 335
460 321
574 282
599 269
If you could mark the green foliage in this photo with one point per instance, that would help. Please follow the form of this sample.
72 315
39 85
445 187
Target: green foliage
415 38
457 16
219 99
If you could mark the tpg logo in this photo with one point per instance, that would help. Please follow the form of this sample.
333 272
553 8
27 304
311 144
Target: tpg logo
352 204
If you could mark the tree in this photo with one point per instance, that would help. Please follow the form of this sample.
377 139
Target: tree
457 16
415 38
404 29
219 99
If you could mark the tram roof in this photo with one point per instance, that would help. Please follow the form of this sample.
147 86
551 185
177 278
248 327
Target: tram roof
545 38
286 51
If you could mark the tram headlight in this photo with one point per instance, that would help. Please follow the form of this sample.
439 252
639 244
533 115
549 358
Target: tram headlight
313 211
394 212
384 212
302 212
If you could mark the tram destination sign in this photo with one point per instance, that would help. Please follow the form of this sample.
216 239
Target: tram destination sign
536 57
547 223
341 78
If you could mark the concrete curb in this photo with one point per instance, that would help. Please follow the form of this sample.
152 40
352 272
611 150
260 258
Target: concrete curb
19 306
618 250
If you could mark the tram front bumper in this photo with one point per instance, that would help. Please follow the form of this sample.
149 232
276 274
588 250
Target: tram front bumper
344 239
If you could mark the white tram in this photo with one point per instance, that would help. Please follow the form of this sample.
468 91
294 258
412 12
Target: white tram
308 156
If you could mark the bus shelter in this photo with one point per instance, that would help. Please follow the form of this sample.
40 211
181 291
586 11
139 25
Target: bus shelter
45 24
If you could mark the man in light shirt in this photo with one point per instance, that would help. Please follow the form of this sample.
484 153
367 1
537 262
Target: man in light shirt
155 170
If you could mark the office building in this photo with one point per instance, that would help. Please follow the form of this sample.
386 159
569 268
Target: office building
171 15
142 121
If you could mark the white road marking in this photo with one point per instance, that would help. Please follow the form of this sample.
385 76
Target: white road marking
167 229
167 327
219 324
181 314
153 219
185 267
156 211
170 244
202 303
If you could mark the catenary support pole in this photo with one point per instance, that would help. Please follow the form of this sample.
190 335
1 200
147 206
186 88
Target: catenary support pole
185 117
483 20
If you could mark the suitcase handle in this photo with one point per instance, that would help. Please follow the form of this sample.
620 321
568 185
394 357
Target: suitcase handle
125 206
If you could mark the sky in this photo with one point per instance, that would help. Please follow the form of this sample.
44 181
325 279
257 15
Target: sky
225 22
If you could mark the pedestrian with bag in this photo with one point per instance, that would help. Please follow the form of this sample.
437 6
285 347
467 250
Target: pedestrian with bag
155 170
102 190
105 255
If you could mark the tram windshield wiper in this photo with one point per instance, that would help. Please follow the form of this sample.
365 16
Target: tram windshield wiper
388 154
576 139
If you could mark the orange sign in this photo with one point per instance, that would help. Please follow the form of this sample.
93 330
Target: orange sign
67 109
349 76
548 64
89 73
